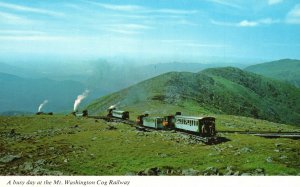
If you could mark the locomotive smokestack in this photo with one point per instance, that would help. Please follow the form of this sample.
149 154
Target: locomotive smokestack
80 98
41 105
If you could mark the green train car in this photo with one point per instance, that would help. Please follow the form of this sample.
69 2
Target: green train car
205 126
153 122
112 112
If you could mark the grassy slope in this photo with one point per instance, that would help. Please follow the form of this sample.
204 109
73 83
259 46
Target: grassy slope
253 95
285 69
92 149
219 90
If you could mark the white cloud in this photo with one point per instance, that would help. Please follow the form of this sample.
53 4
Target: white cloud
193 44
221 23
293 17
13 19
273 2
134 26
228 3
21 32
128 8
265 21
142 9
124 31
174 11
129 29
29 9
246 23
32 38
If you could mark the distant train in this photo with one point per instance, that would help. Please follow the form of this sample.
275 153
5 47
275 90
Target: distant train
43 113
83 114
112 112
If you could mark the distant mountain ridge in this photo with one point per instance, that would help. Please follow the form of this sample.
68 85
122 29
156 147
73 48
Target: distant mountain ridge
25 83
99 77
221 90
285 70
21 94
18 71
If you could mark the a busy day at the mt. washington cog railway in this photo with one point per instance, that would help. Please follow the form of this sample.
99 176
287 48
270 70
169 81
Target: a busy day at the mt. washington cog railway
127 88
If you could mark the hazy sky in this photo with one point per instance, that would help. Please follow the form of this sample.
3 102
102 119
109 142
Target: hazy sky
266 29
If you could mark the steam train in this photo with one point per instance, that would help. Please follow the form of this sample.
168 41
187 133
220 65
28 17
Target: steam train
79 114
203 126
112 112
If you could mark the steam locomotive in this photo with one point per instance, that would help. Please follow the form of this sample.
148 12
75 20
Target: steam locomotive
79 114
112 112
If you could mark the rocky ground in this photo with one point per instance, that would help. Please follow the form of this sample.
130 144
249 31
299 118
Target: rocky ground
64 145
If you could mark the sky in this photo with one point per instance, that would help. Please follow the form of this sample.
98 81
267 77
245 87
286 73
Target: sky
167 29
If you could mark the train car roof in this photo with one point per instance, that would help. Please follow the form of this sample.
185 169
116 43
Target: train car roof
120 111
194 117
151 117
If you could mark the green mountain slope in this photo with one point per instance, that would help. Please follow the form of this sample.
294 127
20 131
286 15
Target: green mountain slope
217 90
285 69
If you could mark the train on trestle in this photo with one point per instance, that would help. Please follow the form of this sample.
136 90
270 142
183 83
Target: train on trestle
203 127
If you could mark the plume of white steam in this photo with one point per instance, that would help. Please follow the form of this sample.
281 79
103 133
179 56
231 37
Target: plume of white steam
41 105
113 106
80 98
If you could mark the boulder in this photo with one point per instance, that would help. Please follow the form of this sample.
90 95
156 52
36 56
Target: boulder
28 166
269 159
211 171
245 150
9 158
152 171
190 172
246 174
110 127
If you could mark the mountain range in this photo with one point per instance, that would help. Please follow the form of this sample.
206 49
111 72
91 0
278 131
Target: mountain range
24 86
24 94
219 90
225 90
286 70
